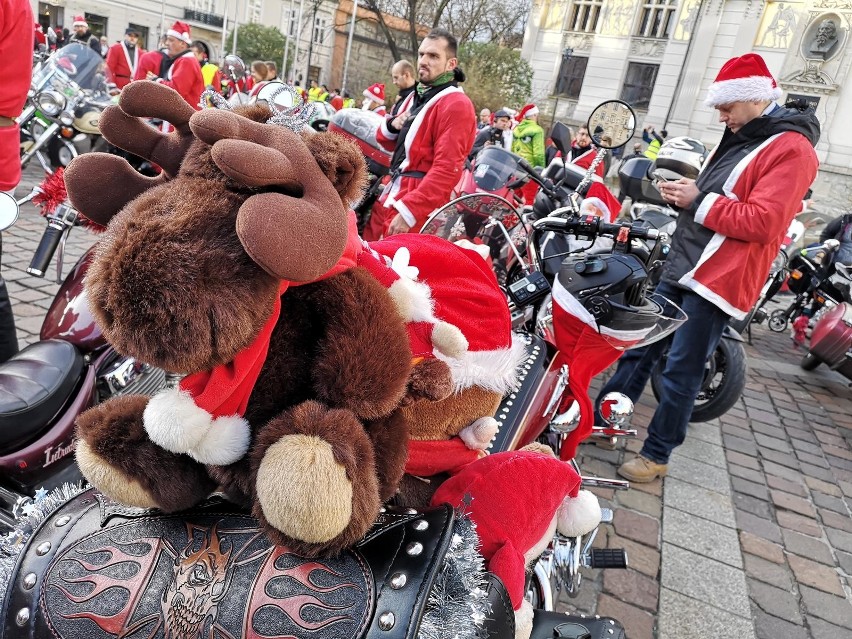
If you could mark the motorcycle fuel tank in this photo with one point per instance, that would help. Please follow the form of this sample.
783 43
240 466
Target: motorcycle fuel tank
69 317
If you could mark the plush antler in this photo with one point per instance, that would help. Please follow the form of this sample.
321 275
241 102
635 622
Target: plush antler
297 229
121 125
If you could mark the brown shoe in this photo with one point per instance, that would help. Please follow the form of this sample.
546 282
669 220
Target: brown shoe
641 470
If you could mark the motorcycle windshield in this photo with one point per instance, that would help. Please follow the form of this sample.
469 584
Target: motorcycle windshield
359 124
487 223
494 168
73 67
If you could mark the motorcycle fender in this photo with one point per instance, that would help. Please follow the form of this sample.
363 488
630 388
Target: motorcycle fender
730 333
88 123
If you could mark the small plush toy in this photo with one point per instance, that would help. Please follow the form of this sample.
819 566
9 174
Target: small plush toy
800 330
236 268
518 500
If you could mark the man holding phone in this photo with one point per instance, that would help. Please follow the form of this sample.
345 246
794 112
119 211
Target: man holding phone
731 222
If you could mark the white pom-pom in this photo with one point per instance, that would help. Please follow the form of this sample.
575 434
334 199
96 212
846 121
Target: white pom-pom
174 421
226 442
578 515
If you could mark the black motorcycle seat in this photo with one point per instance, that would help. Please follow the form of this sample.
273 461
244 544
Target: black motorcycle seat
34 385
559 625
530 372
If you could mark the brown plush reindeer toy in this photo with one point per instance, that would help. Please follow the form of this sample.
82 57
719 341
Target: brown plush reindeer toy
236 268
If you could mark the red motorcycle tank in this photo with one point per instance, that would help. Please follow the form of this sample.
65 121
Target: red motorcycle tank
69 317
832 339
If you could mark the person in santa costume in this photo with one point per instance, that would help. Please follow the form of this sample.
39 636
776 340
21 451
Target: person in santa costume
123 57
151 61
180 70
730 225
430 139
16 32
83 35
374 99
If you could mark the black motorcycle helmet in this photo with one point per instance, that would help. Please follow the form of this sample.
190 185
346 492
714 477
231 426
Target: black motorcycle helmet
612 289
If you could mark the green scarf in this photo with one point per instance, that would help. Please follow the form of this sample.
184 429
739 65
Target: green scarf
445 77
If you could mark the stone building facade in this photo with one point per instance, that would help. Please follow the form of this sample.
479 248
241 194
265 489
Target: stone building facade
660 56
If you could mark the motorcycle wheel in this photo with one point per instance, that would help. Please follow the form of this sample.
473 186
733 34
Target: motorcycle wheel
809 362
59 154
724 381
778 321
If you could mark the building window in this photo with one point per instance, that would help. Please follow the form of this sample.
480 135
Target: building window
97 24
203 6
584 16
319 30
657 18
294 23
143 34
639 84
570 79
254 10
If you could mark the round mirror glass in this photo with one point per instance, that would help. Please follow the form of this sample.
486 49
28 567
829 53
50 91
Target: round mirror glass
612 124
277 94
8 211
234 66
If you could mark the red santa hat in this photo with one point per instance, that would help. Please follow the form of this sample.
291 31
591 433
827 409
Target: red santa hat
80 21
527 111
518 500
458 285
181 31
376 92
743 79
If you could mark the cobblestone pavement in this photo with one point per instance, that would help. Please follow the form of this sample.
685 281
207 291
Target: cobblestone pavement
750 535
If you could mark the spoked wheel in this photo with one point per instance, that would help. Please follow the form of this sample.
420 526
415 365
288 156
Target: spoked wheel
809 362
724 381
778 321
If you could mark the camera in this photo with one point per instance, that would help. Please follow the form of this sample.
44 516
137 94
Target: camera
496 136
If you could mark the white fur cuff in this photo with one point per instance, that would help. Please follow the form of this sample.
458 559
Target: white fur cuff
578 515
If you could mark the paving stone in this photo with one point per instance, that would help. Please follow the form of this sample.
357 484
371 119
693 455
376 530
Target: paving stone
835 520
705 475
633 586
817 471
784 459
638 622
638 527
830 438
806 447
813 460
752 505
754 476
771 468
704 579
806 546
815 575
757 526
740 445
769 627
699 501
702 536
747 487
840 539
739 459
844 561
643 502
765 442
706 432
825 487
823 630
836 610
682 617
652 488
761 547
801 524
792 503
831 503
768 430
792 487
768 572
703 452
639 557
775 601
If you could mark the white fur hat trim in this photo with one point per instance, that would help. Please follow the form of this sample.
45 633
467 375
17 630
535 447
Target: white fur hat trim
578 515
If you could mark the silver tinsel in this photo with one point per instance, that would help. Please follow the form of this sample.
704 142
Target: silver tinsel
211 98
296 117
13 543
458 602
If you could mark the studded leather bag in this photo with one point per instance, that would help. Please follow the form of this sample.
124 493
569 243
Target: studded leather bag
95 569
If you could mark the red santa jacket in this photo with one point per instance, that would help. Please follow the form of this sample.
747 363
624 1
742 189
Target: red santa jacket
437 144
184 76
150 61
16 39
122 64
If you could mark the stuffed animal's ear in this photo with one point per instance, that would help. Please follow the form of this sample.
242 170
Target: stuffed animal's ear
342 163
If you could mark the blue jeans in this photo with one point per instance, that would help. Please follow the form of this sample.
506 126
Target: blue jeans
691 346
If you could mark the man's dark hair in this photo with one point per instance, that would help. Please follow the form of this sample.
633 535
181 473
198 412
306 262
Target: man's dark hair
452 43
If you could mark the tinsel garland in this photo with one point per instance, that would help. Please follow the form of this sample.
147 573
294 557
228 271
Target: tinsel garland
40 509
458 602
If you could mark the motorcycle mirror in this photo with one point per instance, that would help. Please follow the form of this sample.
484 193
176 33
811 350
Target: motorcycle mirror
616 409
8 211
277 92
235 67
561 136
612 124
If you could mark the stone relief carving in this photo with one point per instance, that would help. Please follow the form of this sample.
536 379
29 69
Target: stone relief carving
823 40
778 25
578 41
647 47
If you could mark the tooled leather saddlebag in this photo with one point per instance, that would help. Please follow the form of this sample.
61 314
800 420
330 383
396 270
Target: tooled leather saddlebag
97 570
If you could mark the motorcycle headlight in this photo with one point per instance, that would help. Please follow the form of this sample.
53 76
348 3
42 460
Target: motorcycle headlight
66 118
50 103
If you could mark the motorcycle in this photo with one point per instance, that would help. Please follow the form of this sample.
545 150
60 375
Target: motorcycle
65 100
809 279
831 338
45 386
725 372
